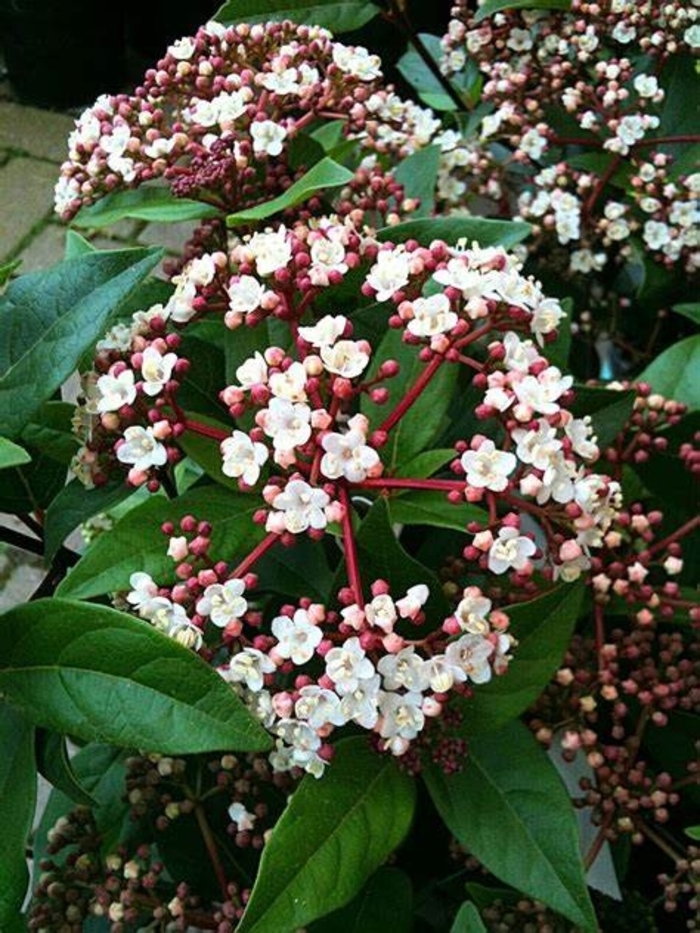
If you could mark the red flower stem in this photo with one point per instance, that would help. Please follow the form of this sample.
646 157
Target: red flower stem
413 393
445 485
350 548
602 182
205 430
255 555
211 849
681 532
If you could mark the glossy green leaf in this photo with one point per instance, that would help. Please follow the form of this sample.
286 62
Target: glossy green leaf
75 504
137 543
423 420
468 920
693 832
156 205
479 230
12 454
322 176
334 833
676 372
691 311
54 764
337 15
428 86
543 628
495 6
422 507
418 175
426 463
386 559
384 904
17 797
609 410
6 270
510 809
300 570
105 676
48 319
76 245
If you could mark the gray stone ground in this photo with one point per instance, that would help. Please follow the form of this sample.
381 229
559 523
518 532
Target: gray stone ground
32 147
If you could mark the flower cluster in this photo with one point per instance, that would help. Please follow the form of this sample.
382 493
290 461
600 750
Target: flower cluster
219 115
573 139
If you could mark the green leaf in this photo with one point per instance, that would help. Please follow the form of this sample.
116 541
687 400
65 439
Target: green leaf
6 270
206 451
385 903
105 676
426 463
334 833
320 177
693 832
384 556
50 432
241 343
414 70
55 765
676 373
691 311
426 507
157 205
76 245
286 570
510 809
48 319
137 543
18 796
422 422
468 920
418 175
75 504
609 410
342 16
12 454
495 6
543 629
480 230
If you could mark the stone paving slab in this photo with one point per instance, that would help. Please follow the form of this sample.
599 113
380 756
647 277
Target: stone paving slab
26 198
45 250
40 133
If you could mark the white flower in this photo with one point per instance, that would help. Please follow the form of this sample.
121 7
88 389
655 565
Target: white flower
347 665
182 49
156 369
143 591
520 354
540 393
268 137
510 550
361 704
440 674
115 391
471 654
348 455
223 602
283 81
302 507
646 85
325 331
533 144
231 106
546 316
252 371
304 741
472 610
487 467
431 316
242 457
327 255
297 638
656 234
271 250
320 707
141 449
290 384
580 433
245 294
249 667
536 446
405 669
287 423
357 61
389 273
520 40
347 358
401 715
239 815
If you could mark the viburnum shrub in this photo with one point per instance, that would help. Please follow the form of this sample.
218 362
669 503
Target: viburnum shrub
379 619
